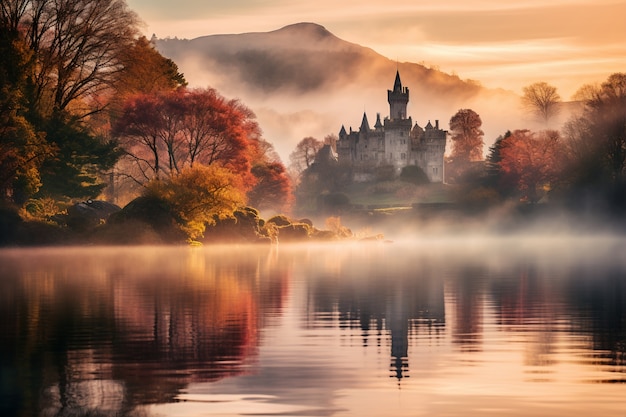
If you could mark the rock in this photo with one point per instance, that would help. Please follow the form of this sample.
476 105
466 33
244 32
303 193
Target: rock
145 220
89 214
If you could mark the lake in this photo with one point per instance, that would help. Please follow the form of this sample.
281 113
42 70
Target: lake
438 326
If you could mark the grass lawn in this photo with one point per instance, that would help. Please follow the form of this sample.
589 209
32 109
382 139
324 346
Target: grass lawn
398 194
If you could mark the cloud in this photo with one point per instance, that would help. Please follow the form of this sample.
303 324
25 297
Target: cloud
472 38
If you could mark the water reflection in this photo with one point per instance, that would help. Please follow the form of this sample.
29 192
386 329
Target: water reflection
313 330
105 330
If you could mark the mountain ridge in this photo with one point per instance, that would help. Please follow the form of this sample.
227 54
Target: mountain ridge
301 80
302 56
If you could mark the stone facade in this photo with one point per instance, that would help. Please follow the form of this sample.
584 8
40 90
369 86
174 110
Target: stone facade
394 141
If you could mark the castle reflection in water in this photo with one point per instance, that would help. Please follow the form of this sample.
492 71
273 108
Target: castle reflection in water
108 330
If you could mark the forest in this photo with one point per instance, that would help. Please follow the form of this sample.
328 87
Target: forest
98 130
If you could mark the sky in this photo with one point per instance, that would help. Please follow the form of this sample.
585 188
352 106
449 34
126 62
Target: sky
500 43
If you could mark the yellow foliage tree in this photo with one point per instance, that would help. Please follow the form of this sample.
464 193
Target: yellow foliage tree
199 194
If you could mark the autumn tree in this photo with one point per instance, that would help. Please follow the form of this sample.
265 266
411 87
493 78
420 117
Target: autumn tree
542 100
22 153
22 148
596 141
467 144
601 129
531 162
76 46
303 155
198 195
61 54
272 190
164 133
146 71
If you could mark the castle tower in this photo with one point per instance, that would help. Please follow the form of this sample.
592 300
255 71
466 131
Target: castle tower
398 99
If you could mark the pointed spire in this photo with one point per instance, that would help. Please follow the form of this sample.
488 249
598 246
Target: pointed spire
378 124
365 126
397 85
342 132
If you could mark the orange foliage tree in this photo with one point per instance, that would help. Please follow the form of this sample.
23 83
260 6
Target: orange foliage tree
467 136
164 133
146 71
531 161
199 194
467 145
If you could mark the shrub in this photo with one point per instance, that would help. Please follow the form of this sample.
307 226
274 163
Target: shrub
414 175
197 194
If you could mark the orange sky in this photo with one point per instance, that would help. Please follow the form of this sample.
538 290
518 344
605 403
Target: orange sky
506 44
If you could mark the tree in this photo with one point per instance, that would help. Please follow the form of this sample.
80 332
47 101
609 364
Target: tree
596 141
531 162
164 133
80 160
493 171
147 71
467 136
22 153
22 148
467 145
198 195
58 55
542 100
77 48
303 155
272 190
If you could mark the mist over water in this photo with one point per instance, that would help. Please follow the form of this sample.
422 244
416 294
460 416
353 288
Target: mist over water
437 325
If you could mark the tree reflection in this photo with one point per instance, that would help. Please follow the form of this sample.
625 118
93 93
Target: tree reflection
119 330
598 305
103 332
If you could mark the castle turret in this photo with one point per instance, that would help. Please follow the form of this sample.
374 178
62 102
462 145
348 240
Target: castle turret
378 126
398 99
365 126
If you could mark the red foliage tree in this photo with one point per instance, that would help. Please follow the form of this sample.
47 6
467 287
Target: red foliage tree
272 190
166 132
467 147
531 161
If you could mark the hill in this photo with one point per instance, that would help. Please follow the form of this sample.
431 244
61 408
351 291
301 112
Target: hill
301 80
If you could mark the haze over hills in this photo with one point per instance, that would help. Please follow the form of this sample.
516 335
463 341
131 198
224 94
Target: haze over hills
302 80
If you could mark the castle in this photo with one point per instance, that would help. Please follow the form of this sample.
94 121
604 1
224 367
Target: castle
395 141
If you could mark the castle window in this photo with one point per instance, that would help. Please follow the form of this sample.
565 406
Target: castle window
403 156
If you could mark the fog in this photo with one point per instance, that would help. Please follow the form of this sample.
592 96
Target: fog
225 329
303 81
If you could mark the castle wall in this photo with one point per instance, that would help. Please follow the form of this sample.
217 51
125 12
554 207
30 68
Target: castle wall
429 152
